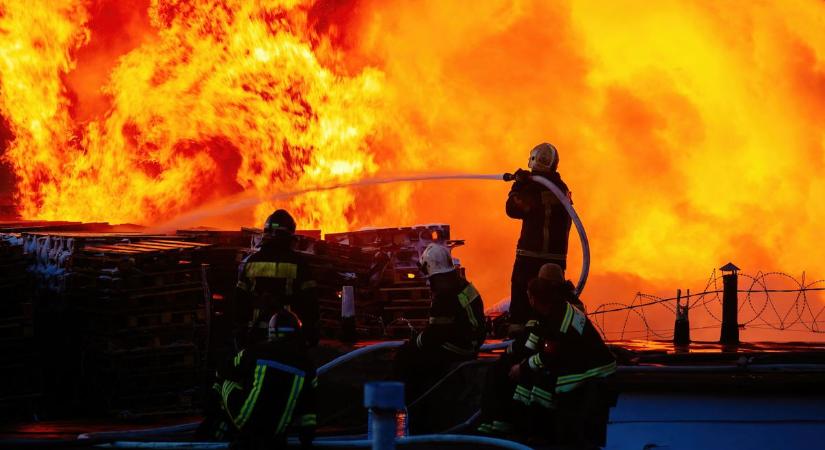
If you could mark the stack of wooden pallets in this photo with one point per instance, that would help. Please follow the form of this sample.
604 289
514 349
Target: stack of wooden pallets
399 290
141 313
20 373
337 265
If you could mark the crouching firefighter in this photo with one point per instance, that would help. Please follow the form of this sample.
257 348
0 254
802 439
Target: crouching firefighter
455 330
275 277
263 390
556 372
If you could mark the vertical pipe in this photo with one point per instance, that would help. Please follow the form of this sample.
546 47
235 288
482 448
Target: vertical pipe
348 314
384 399
207 305
730 308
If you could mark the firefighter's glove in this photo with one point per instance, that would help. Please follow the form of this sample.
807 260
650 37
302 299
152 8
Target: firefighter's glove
515 372
514 330
522 176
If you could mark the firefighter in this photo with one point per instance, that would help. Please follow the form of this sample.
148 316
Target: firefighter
561 375
563 289
455 330
264 389
544 230
274 277
547 367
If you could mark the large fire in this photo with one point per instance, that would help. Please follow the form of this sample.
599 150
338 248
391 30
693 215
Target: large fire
691 134
218 97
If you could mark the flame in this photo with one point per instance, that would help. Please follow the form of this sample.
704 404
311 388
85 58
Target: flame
226 96
690 134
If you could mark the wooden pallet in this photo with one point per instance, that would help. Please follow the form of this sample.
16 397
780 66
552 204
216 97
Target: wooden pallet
179 356
150 256
140 341
143 247
404 293
184 297
131 281
100 322
13 329
14 309
153 382
174 402
19 378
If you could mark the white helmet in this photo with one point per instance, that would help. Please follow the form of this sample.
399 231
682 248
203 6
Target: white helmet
436 259
544 158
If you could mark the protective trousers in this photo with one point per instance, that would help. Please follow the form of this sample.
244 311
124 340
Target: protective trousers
524 270
497 405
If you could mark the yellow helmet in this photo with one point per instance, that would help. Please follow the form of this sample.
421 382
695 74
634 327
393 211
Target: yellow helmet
543 158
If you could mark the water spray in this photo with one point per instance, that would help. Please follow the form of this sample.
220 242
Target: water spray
243 201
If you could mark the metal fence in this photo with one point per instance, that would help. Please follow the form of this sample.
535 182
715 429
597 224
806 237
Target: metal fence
767 300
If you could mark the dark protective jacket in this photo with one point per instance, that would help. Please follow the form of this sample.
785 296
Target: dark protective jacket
545 222
274 277
558 353
268 387
567 292
456 322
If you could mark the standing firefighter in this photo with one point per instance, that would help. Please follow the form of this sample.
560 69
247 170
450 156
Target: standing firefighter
554 373
456 326
275 277
264 389
545 226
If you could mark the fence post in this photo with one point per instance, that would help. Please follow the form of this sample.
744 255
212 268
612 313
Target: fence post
730 305
384 399
681 328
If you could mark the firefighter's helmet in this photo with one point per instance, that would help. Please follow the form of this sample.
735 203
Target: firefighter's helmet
279 222
544 158
553 273
436 259
284 324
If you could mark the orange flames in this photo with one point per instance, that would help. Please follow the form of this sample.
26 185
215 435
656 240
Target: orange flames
221 97
690 134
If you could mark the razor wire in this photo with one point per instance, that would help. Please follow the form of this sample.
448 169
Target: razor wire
762 305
